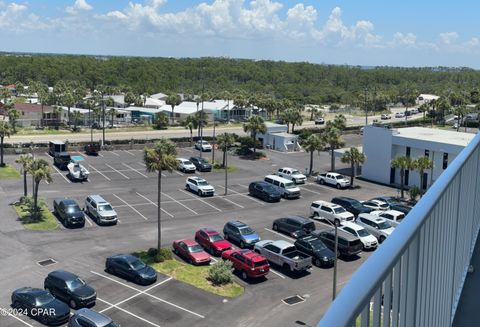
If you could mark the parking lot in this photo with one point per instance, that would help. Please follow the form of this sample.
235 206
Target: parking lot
120 177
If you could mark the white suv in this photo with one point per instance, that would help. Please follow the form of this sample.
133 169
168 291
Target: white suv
369 241
393 217
330 211
292 174
199 186
203 146
377 226
186 165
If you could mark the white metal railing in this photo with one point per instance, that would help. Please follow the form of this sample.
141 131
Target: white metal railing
416 276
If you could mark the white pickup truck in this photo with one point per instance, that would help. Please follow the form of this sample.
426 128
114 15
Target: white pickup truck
335 179
284 254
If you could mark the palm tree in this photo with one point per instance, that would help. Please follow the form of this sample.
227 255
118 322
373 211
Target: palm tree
160 157
201 119
292 116
68 100
340 122
225 141
25 160
173 100
191 123
403 163
5 131
354 158
333 138
313 143
13 115
254 125
112 112
76 117
460 113
421 164
225 95
40 170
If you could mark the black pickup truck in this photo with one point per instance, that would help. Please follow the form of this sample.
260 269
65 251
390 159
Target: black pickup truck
68 212
61 160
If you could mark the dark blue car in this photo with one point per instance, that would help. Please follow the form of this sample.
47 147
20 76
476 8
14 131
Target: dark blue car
131 268
264 191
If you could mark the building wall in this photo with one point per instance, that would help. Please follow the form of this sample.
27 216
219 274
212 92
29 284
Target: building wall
377 146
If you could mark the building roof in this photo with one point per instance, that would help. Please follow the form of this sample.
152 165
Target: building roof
143 109
433 135
284 134
270 124
154 102
428 97
32 107
158 96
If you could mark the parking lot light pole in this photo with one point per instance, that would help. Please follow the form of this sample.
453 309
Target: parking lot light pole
226 170
334 292
213 141
366 108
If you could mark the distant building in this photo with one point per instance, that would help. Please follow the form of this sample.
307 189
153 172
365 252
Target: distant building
31 114
426 98
277 138
381 145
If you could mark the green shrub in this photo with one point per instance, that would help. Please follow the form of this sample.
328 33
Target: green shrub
152 252
413 192
220 273
158 258
166 253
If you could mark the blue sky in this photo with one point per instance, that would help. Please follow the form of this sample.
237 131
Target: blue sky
354 32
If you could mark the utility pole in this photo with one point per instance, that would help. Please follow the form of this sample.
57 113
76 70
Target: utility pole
334 292
201 120
226 168
103 114
366 109
214 141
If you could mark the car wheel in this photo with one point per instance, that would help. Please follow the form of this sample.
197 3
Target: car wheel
337 222
315 215
244 275
73 304
322 181
242 245
294 180
382 239
187 187
275 227
200 193
108 269
317 262
137 280
339 186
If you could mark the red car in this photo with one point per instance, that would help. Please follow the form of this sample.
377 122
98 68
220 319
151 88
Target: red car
212 241
191 251
249 263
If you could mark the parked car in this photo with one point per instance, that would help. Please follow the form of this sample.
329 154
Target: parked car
294 226
61 160
377 226
241 233
394 204
330 211
201 164
185 165
351 205
92 149
400 114
385 116
348 245
321 255
70 288
264 191
319 121
334 179
191 251
288 188
292 174
368 240
212 241
200 186
376 204
40 305
56 147
68 212
203 146
131 268
250 264
284 254
89 318
100 210
393 217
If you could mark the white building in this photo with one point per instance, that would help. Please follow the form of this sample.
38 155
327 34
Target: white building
277 138
381 145
426 98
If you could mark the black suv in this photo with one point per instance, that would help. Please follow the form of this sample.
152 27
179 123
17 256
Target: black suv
322 256
351 205
68 212
264 191
348 245
70 289
394 204
295 226
61 160
201 163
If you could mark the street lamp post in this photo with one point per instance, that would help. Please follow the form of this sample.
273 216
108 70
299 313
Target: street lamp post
366 109
334 291
226 168
103 114
213 141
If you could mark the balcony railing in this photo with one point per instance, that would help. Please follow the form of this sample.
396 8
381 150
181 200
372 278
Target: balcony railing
416 276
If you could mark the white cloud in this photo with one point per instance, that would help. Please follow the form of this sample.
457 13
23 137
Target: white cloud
15 7
78 6
400 39
448 38
473 42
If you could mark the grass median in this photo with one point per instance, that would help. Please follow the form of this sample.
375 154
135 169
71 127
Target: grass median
46 221
9 172
190 274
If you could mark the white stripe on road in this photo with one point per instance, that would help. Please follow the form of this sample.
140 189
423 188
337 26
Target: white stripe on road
179 173
200 199
238 205
88 220
279 234
276 273
115 153
130 206
315 192
128 312
244 195
129 153
156 205
98 171
4 311
144 165
61 174
101 155
134 170
176 201
117 171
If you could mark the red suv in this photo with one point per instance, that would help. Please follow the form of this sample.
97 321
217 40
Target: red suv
249 263
212 241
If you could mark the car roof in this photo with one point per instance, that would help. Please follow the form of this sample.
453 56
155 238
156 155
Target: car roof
394 212
278 178
263 183
373 218
209 231
196 178
126 257
66 201
327 204
341 233
97 318
32 290
344 198
351 225
188 242
97 198
182 159
255 257
298 218
237 223
62 274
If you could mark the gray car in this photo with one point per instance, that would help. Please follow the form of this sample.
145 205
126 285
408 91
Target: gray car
87 317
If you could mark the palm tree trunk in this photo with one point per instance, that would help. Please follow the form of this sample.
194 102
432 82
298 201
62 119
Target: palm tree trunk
352 176
402 176
311 162
159 211
293 127
191 137
224 156
68 123
172 116
35 198
254 137
332 159
311 114
41 118
421 183
2 164
25 182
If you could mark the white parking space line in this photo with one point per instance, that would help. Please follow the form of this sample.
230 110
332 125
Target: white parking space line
179 173
174 305
144 165
5 312
117 171
279 234
61 174
130 206
132 154
238 205
315 192
134 170
101 155
200 199
133 205
276 273
244 195
114 280
176 201
98 171
156 205
88 220
115 153
188 150
128 312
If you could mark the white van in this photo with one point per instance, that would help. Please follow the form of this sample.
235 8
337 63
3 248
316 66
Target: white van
286 186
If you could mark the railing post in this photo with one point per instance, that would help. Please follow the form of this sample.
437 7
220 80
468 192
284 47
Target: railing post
412 283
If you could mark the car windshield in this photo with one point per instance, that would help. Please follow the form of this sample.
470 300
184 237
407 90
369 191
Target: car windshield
204 142
203 183
383 225
260 263
73 208
137 264
362 232
339 210
269 188
317 245
105 207
340 177
112 324
187 162
289 185
295 172
44 299
76 283
246 231
216 238
195 248
201 160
